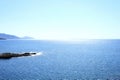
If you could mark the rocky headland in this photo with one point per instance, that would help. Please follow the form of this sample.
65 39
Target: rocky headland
8 55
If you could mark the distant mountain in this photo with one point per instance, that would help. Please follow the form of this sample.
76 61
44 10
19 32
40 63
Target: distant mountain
4 36
26 37
8 36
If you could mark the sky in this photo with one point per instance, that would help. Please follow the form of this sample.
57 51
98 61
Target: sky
61 19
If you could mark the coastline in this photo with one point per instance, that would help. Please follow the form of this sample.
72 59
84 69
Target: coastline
11 55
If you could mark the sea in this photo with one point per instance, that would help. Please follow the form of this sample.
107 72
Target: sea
97 59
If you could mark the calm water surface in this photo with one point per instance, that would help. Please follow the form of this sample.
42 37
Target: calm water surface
85 60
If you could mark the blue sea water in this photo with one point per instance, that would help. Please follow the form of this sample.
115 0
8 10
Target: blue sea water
84 60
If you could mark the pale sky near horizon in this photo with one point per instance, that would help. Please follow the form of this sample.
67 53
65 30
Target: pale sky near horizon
61 19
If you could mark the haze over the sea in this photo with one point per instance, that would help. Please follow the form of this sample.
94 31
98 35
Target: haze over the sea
61 19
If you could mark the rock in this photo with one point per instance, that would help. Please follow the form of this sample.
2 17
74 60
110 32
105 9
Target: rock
10 55
5 56
2 39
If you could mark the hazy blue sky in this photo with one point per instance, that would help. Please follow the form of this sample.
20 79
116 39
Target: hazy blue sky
61 19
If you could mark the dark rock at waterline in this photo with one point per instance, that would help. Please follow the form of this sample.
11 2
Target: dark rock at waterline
2 39
10 55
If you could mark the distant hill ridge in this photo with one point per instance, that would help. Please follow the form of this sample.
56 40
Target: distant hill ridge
9 36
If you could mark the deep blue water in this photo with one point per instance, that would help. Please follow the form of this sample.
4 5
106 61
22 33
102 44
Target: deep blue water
85 60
